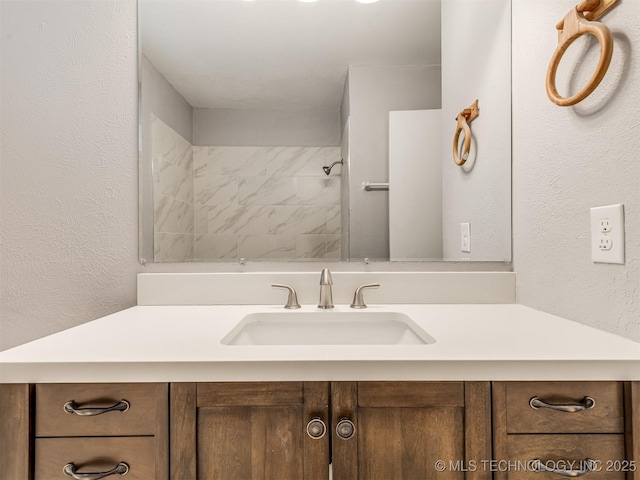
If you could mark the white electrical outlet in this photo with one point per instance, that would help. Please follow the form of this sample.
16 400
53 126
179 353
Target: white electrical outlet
605 225
607 234
465 237
605 242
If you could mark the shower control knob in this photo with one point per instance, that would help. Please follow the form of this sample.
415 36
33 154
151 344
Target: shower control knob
345 429
316 428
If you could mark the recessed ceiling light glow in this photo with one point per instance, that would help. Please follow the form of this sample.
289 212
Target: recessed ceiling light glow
366 1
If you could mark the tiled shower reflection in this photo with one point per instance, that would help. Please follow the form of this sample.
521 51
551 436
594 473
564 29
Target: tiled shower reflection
257 203
173 210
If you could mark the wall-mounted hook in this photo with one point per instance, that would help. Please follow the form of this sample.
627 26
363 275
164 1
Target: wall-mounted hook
581 20
463 119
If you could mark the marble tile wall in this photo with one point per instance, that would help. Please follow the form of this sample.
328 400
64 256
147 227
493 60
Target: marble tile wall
173 199
260 203
271 203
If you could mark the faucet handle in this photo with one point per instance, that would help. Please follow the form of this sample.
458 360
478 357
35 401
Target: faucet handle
358 301
292 300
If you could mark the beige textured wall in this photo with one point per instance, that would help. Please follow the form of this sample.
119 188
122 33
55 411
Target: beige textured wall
68 185
478 193
568 159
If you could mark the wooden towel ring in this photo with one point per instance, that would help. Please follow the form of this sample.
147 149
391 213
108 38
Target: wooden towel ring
463 119
576 23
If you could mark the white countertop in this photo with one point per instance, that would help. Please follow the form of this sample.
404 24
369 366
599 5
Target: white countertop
182 343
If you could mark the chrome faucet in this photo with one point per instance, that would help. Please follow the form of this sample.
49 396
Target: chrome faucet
326 296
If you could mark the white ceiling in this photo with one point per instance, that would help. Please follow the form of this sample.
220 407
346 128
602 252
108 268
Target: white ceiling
281 54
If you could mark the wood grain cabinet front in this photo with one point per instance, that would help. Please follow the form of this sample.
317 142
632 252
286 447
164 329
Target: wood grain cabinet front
108 430
549 430
133 458
69 410
411 430
564 407
294 430
242 431
542 456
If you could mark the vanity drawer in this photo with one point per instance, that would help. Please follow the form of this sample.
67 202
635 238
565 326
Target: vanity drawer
558 450
145 404
95 455
605 416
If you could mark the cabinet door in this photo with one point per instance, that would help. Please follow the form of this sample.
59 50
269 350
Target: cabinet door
242 431
403 430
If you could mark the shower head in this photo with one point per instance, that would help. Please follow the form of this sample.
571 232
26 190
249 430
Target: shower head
327 170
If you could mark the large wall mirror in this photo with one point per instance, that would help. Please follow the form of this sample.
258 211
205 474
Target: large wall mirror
283 130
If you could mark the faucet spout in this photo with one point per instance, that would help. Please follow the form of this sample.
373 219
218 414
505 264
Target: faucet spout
326 294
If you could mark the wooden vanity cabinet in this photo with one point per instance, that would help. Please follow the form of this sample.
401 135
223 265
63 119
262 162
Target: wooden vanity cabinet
376 430
71 430
404 429
566 425
241 431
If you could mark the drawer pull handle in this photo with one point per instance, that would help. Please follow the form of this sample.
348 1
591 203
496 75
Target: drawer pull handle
587 466
73 408
70 471
585 404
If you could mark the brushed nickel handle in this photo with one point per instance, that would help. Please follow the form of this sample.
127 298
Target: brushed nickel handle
585 404
358 300
292 299
74 409
587 465
345 429
70 470
316 428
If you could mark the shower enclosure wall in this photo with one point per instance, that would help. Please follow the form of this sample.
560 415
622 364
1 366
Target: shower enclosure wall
252 202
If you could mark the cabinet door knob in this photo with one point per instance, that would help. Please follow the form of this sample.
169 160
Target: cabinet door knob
345 429
74 409
586 466
70 470
316 428
585 404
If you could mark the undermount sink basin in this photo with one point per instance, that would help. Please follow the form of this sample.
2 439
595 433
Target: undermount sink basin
327 328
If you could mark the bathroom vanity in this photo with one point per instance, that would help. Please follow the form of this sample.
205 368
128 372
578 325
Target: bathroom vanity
294 430
496 390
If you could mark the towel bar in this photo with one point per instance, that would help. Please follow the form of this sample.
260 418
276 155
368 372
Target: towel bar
368 186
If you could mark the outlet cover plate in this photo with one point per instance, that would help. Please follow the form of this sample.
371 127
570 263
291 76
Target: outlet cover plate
607 228
465 237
